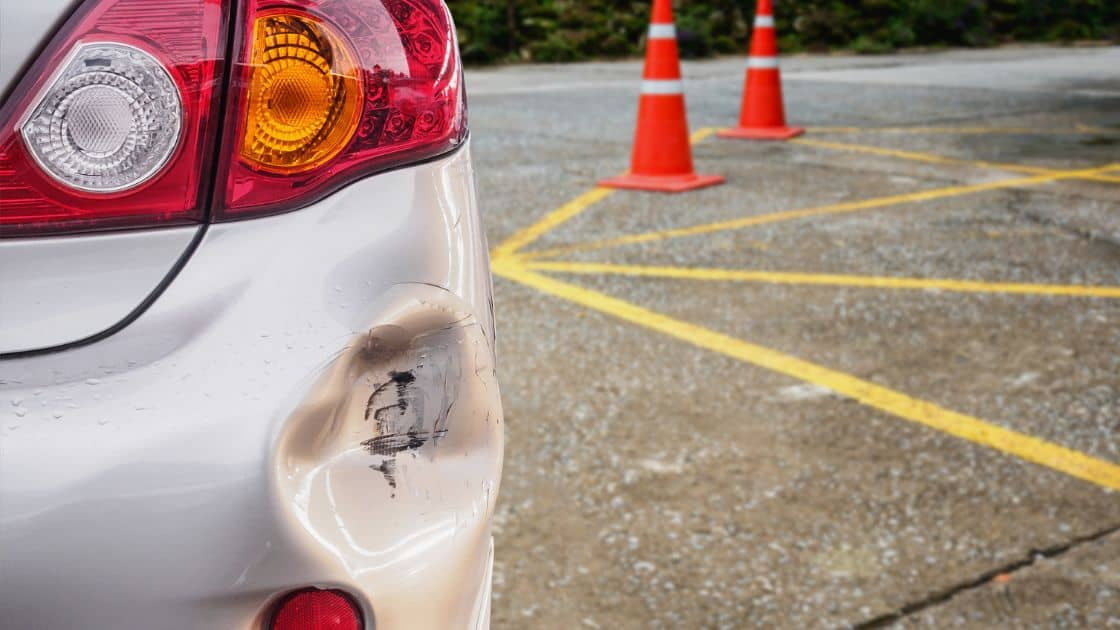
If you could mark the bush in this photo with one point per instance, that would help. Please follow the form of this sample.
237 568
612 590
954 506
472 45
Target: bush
865 45
556 47
569 30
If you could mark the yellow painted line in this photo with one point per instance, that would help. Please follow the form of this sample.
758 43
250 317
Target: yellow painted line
701 134
551 221
1013 443
1083 128
838 208
527 236
973 130
939 159
781 277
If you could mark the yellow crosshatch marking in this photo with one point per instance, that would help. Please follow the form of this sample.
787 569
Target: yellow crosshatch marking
834 280
969 131
938 159
526 237
960 425
836 208
511 261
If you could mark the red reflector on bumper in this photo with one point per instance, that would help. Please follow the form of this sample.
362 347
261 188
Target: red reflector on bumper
317 610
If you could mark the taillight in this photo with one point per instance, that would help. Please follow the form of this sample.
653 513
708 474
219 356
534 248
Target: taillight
305 95
117 124
108 122
327 91
114 126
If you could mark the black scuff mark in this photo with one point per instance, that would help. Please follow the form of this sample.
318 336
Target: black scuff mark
389 406
410 406
388 469
398 386
395 443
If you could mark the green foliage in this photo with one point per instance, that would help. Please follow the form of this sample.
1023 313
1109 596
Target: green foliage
570 30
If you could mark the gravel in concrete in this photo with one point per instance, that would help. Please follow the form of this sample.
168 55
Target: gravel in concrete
653 484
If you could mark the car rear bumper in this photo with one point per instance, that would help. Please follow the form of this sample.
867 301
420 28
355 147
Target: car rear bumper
312 401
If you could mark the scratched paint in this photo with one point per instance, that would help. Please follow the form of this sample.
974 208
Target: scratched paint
400 438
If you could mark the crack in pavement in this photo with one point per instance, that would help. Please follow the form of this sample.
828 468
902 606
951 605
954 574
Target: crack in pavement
943 596
1086 234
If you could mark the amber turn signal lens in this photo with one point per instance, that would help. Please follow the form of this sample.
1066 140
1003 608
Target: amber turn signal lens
304 95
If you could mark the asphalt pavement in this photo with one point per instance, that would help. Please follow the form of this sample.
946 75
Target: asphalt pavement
873 380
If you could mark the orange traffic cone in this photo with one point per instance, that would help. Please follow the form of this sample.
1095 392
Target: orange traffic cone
662 159
763 116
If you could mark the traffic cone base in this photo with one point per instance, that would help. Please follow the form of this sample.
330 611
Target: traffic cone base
663 183
763 116
762 133
661 160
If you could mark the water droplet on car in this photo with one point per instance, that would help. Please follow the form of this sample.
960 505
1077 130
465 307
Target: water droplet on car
93 381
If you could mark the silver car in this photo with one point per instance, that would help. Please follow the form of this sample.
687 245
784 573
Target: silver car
246 326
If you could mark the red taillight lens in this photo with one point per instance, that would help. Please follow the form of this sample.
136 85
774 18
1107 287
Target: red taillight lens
327 91
115 125
317 610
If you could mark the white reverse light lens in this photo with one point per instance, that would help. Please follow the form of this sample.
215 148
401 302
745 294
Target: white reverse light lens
108 121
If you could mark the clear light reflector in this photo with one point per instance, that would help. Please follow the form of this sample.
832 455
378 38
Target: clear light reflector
108 121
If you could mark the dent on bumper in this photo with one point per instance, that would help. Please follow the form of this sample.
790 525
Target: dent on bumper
390 460
312 401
